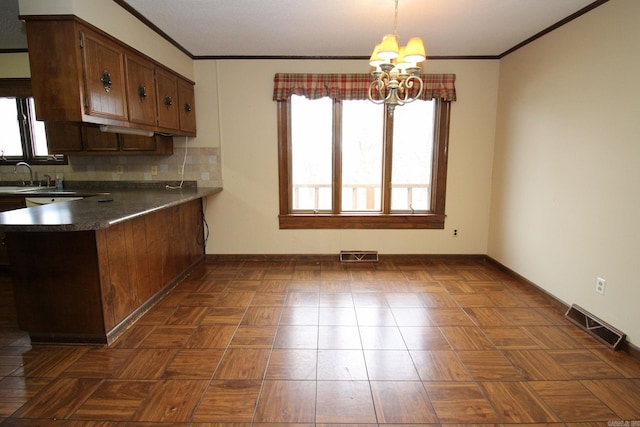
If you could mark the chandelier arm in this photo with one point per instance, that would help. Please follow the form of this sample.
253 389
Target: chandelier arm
379 85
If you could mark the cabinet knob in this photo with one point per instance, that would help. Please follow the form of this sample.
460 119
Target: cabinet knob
187 107
106 81
142 92
168 101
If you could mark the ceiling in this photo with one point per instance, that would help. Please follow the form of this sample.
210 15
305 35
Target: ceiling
334 28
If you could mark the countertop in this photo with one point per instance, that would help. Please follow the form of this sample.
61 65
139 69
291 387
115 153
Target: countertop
100 209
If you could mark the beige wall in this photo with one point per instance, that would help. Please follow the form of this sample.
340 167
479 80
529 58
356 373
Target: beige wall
244 217
566 199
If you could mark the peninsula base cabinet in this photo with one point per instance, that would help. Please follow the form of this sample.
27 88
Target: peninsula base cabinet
89 286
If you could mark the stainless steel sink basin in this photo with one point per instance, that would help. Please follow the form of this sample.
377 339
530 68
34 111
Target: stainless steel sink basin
48 191
17 189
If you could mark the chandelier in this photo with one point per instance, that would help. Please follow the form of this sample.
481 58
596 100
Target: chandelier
397 73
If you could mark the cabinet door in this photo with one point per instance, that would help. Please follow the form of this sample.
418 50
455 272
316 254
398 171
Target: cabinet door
103 63
137 142
187 107
95 140
167 91
141 90
8 204
63 137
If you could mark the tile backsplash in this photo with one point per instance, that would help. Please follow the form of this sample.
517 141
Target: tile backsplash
202 164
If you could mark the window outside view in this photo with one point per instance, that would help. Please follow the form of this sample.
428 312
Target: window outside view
362 155
11 112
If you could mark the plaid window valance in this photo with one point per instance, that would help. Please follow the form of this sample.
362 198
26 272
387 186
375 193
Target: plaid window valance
353 86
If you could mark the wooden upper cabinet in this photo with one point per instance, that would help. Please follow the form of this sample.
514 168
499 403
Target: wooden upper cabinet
103 63
95 140
187 107
63 137
141 90
167 90
81 74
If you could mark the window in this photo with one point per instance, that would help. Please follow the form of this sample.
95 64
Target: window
346 163
23 137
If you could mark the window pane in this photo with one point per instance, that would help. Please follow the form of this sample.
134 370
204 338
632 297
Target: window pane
412 156
362 127
311 153
11 142
39 136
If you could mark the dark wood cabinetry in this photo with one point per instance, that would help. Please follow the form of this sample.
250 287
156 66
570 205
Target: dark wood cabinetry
7 204
77 138
80 74
90 285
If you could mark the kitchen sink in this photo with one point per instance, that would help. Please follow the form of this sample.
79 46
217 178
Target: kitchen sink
18 189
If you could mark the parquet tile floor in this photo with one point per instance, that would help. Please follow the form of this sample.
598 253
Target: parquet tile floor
306 343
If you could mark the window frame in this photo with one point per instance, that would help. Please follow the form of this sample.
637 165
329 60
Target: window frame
20 90
433 219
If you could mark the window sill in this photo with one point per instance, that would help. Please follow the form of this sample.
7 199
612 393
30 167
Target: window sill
363 221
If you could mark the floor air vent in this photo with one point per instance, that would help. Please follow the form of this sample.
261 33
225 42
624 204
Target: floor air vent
601 330
358 256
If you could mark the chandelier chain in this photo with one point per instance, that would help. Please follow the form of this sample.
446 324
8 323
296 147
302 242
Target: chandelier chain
395 21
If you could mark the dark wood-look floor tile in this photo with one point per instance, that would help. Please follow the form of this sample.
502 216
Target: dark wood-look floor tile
516 402
114 400
242 364
390 365
449 316
229 401
193 364
510 338
295 336
489 366
168 337
467 338
146 364
186 315
583 364
424 338
537 365
571 401
211 336
344 365
254 337
440 366
621 395
292 364
98 363
460 403
16 391
284 401
412 316
457 343
171 401
59 399
262 316
344 402
232 299
402 402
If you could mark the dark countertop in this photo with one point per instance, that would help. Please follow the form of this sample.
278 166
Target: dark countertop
100 209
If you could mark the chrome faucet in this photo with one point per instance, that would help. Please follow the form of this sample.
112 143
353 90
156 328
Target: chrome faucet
25 164
48 177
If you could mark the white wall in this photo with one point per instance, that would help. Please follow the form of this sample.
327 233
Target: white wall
566 181
244 217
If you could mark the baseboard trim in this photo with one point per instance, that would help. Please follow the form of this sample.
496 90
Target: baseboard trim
560 305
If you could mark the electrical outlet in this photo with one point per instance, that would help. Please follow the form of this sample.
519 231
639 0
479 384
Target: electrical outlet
180 169
154 170
119 169
600 285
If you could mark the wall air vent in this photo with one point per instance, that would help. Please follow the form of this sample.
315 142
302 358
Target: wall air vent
596 327
358 256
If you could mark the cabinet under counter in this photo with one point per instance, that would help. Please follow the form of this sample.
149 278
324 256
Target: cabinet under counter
79 284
